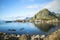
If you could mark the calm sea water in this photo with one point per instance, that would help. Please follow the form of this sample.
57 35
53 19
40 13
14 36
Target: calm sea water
28 28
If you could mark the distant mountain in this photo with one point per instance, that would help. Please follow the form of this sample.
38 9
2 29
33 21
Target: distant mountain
27 18
44 14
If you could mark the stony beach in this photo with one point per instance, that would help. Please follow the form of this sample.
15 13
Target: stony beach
53 36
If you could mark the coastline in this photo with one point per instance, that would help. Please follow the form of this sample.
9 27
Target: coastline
52 36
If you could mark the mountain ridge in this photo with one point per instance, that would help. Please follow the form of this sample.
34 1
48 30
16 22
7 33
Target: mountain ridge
44 14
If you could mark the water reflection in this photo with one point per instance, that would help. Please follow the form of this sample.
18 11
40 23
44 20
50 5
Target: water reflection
46 27
29 28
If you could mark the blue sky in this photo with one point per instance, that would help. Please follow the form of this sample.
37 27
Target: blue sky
14 9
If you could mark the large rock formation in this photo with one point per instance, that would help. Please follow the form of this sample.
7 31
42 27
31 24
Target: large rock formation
44 14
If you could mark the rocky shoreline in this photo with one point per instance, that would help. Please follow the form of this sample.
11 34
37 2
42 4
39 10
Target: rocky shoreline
5 36
53 36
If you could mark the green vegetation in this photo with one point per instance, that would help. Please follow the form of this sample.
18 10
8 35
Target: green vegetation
44 14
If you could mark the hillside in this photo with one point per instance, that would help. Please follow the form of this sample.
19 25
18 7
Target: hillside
44 14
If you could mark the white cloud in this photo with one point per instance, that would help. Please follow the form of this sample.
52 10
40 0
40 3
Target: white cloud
35 6
53 6
31 14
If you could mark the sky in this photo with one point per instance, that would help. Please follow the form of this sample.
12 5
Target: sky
19 9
